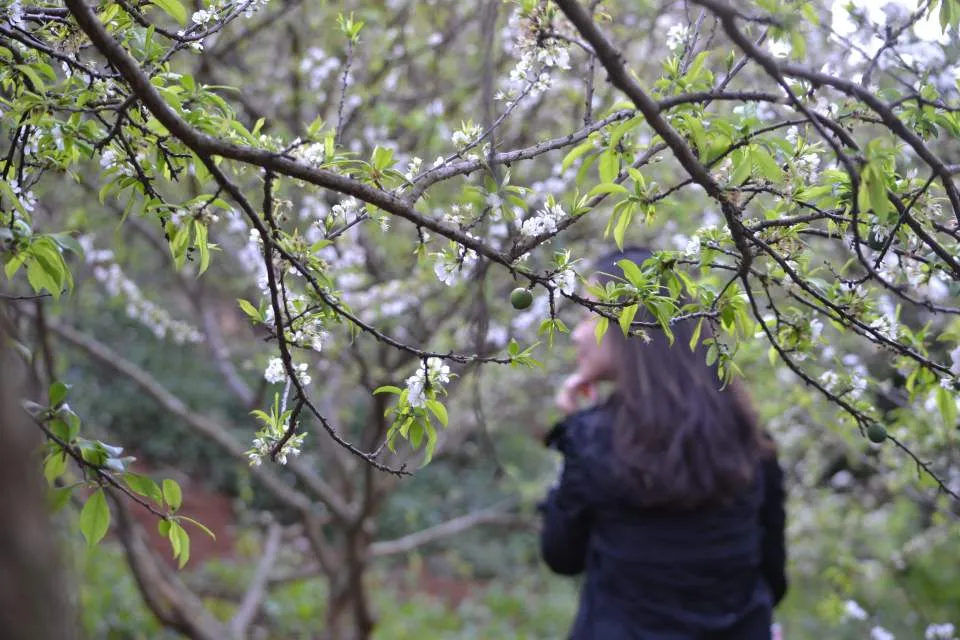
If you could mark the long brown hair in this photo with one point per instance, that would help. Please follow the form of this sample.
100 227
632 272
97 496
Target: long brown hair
681 438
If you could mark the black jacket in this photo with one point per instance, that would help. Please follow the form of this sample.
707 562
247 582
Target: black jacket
653 573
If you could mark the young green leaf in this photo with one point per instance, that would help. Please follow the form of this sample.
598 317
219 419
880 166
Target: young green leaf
58 393
173 8
172 494
198 525
600 330
95 518
143 485
437 408
626 318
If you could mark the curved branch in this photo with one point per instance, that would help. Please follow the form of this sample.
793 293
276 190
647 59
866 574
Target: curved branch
207 427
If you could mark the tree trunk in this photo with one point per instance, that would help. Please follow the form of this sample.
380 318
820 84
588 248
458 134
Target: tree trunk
34 602
349 616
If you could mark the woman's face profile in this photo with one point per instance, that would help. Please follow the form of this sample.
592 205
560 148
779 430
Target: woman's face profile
594 361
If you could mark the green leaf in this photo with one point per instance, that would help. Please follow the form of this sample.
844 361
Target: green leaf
95 518
873 192
626 318
388 389
632 272
59 497
143 485
60 429
58 393
33 76
184 537
608 187
178 245
382 157
55 465
620 230
609 166
172 494
249 309
172 8
765 164
200 240
574 154
437 408
198 525
14 264
600 330
695 338
39 279
948 407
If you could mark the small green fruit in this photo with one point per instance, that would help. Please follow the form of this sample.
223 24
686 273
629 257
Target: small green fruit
521 298
877 433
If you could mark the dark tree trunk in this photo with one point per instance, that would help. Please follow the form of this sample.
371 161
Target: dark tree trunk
34 602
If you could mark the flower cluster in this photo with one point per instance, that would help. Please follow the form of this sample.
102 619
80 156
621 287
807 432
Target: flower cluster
264 443
677 37
312 153
275 372
109 274
318 66
535 53
852 383
348 207
565 280
251 7
431 375
109 160
544 220
27 200
944 631
203 17
413 168
449 264
466 134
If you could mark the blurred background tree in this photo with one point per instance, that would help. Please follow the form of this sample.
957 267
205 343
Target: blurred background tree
286 206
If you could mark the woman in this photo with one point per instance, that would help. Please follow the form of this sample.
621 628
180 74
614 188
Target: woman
670 499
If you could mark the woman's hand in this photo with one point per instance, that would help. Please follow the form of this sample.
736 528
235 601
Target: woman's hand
574 388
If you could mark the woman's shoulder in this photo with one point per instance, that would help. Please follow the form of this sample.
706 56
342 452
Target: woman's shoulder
583 432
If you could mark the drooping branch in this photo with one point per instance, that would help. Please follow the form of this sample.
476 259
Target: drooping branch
207 427
496 516
255 592
172 602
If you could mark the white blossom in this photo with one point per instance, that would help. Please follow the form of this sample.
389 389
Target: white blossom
779 48
435 371
466 134
879 633
204 17
275 372
543 221
945 631
955 362
413 168
816 329
565 280
677 37
137 307
447 266
853 611
15 14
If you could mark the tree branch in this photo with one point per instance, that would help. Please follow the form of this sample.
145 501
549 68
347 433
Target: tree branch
491 516
254 597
